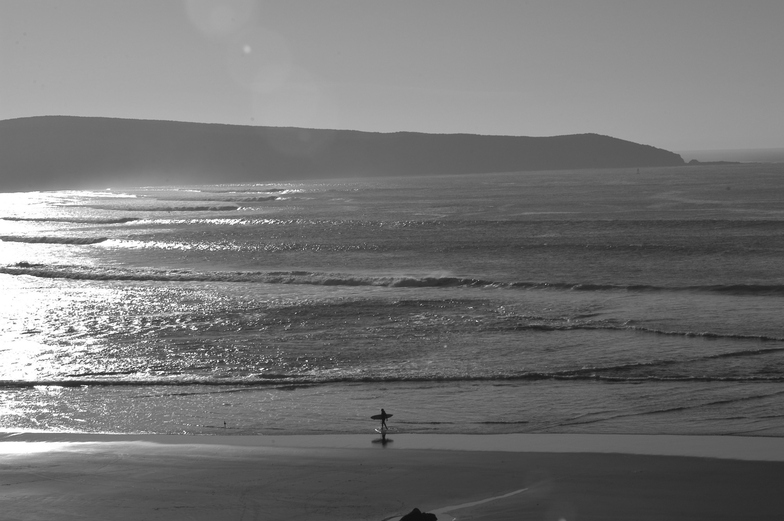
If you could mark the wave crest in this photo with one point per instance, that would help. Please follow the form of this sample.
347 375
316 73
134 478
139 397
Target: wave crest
730 289
273 277
282 380
52 240
73 220
332 279
165 208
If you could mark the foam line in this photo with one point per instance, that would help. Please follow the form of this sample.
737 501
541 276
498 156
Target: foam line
443 510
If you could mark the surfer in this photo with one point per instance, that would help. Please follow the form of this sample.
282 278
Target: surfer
383 417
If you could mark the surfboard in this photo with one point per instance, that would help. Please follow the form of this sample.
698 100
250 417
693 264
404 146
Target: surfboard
380 416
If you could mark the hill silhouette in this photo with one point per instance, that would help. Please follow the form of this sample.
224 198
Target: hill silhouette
62 152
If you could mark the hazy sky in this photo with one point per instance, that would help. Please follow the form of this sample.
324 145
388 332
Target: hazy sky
676 74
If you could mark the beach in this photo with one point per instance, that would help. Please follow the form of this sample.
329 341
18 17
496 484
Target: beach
95 476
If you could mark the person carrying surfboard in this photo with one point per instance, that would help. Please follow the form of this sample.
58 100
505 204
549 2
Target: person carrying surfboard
383 417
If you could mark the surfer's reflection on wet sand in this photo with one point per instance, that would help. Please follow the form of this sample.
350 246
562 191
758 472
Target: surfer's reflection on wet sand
383 440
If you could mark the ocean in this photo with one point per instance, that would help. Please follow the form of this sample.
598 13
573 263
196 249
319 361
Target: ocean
645 301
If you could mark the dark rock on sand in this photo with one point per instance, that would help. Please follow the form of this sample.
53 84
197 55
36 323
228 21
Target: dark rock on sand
418 515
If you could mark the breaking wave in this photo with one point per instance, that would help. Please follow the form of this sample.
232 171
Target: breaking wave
222 189
733 289
271 277
288 380
53 240
572 326
244 198
331 279
73 220
165 208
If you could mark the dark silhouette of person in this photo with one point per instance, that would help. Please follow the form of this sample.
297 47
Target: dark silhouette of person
383 419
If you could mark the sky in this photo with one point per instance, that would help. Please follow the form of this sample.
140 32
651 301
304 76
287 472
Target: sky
675 74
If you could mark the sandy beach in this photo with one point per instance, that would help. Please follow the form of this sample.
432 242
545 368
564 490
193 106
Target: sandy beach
83 476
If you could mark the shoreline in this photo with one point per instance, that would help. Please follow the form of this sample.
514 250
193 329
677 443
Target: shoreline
468 477
748 448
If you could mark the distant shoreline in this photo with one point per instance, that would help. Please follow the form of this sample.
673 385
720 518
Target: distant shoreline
64 152
740 155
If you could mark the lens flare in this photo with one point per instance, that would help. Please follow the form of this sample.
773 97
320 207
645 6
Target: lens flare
259 60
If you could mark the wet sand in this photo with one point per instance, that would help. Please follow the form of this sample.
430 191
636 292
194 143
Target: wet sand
119 477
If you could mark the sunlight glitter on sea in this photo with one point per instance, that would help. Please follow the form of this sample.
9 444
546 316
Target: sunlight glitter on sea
637 311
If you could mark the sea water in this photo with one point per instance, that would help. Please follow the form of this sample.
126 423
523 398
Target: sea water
601 301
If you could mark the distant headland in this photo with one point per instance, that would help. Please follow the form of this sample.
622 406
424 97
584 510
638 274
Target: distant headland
62 152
